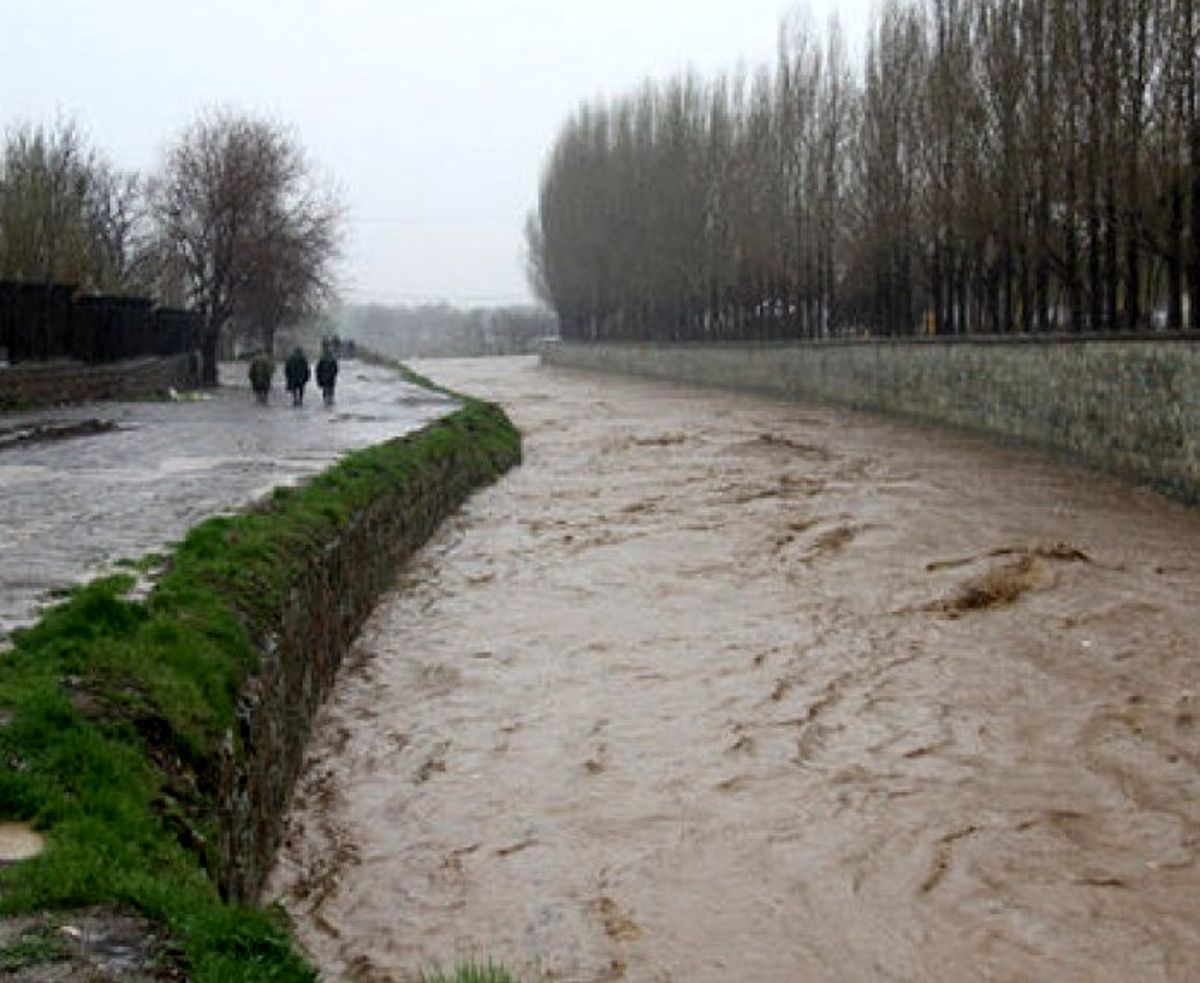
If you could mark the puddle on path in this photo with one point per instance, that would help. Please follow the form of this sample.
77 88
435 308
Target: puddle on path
719 688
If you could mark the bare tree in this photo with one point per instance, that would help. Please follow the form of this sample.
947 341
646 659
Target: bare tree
291 255
122 251
241 213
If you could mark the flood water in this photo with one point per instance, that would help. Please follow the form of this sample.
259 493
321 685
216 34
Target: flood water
122 479
716 687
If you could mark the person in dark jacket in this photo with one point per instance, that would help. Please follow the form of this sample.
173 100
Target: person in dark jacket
295 370
327 369
261 370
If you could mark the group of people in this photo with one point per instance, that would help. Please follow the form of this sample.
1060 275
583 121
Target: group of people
296 374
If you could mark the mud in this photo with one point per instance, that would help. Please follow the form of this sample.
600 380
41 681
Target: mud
34 432
721 688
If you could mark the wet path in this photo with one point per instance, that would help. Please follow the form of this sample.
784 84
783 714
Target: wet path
721 688
82 487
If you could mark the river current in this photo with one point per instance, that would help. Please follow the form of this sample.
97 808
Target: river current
716 687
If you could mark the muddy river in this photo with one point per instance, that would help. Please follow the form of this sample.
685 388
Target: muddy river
717 687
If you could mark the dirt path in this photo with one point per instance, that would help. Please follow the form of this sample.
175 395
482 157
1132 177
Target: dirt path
722 688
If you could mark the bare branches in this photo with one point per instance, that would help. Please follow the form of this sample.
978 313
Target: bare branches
253 232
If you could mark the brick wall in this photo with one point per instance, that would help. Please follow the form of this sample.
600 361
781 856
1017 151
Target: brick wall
1127 406
50 383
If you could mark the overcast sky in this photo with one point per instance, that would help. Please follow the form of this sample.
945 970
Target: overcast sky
433 116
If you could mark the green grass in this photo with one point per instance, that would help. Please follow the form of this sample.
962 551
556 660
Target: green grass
408 374
118 706
471 973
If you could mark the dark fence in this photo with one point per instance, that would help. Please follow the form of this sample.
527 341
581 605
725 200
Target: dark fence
39 322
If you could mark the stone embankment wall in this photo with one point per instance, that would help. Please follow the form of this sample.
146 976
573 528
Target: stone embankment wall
1127 406
32 384
326 607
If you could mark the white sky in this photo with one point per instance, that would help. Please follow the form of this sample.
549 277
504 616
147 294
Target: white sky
434 116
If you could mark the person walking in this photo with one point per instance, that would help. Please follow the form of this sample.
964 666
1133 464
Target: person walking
261 370
327 370
296 371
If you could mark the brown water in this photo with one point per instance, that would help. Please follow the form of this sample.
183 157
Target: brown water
721 688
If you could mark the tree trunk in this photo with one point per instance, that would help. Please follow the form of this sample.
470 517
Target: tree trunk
1175 258
1026 280
1194 265
1095 275
1041 286
937 290
1006 285
210 339
1074 286
1133 276
1111 270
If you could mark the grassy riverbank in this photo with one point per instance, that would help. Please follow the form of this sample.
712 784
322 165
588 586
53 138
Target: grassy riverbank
113 710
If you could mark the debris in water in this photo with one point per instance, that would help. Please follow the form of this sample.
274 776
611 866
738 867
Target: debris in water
1061 551
508 851
618 926
996 588
52 430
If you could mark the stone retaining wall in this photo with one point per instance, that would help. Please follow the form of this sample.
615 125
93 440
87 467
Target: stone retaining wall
30 384
1127 406
323 614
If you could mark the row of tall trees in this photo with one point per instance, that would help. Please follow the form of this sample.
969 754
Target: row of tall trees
235 224
990 165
